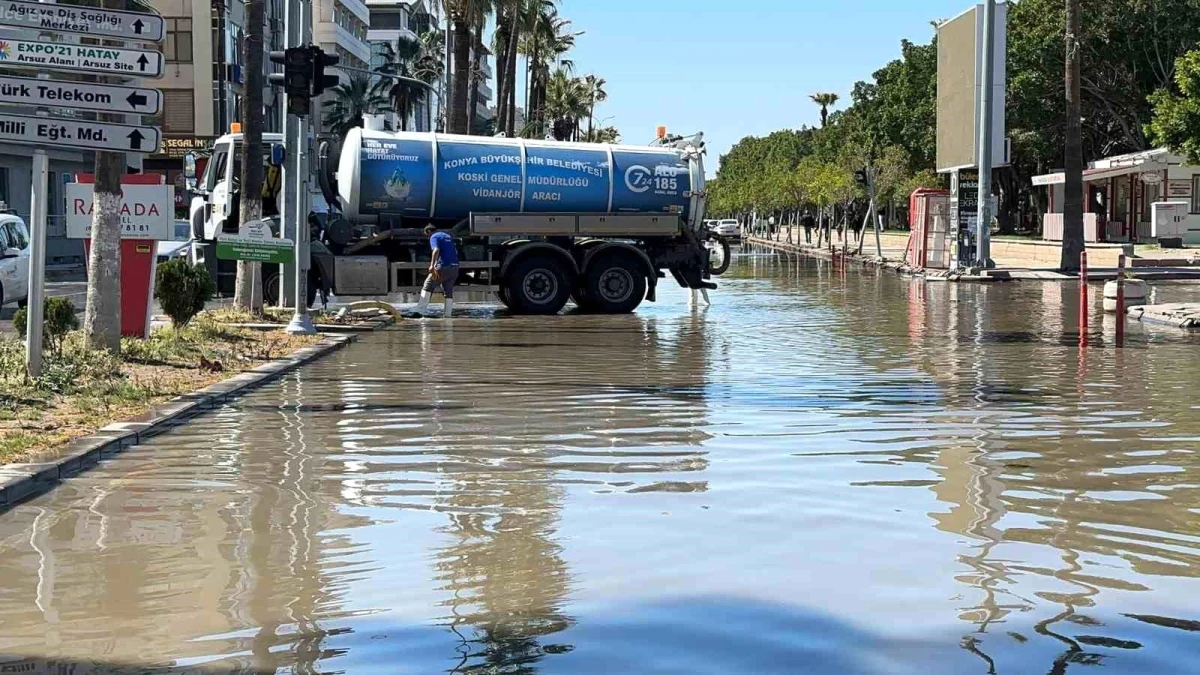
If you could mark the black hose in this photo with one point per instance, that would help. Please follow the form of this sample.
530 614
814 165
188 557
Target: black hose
726 257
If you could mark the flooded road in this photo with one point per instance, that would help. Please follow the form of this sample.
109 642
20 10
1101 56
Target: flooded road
864 474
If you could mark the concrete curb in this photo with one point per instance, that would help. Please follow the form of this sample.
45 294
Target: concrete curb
894 265
22 481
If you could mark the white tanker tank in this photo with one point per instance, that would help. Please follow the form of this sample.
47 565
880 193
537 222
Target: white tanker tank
424 176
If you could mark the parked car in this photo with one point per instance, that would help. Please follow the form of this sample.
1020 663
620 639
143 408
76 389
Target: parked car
730 229
14 260
180 246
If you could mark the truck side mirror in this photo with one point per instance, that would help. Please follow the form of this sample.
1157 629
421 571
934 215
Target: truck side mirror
189 171
278 154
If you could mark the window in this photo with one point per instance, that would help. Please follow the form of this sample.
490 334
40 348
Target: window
178 45
1196 193
179 111
17 234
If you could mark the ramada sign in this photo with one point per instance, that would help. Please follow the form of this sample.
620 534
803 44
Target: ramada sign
147 211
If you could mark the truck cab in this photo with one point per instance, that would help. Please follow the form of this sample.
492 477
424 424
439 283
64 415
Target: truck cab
217 192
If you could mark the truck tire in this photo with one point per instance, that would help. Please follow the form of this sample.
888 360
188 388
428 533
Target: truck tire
538 284
579 295
502 296
614 283
271 289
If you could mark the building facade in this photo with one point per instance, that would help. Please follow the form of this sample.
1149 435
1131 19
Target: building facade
391 22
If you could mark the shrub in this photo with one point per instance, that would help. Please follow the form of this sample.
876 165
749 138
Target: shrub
58 320
182 289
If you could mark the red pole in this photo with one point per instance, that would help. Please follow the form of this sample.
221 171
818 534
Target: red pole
1121 301
1083 297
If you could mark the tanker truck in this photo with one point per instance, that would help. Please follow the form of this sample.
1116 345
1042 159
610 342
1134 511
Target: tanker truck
536 222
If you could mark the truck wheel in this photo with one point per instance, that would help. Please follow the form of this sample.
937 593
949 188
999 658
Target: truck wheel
538 285
615 284
579 295
502 295
271 289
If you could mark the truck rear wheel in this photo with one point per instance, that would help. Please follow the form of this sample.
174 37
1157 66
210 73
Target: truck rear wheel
614 284
538 284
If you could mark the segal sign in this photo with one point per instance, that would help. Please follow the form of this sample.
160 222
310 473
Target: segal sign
147 211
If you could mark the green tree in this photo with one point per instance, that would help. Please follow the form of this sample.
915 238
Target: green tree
351 100
596 94
566 103
1176 122
1073 237
403 59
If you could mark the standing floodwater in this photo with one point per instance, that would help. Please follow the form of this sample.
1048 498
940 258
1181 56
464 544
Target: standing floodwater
817 474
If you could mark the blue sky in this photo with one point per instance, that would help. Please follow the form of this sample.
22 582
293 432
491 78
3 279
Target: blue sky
734 68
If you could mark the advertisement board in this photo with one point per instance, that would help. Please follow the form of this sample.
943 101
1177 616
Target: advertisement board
147 211
397 177
650 182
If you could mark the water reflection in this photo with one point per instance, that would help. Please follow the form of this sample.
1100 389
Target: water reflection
850 471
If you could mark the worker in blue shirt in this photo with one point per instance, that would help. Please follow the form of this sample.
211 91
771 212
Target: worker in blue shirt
443 270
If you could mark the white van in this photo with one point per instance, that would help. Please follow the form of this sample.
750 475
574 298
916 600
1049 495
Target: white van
14 260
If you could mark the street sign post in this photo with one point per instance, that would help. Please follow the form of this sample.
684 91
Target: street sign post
56 131
135 26
57 96
80 58
79 95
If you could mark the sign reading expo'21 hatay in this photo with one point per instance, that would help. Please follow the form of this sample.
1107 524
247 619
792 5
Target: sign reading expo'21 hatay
59 95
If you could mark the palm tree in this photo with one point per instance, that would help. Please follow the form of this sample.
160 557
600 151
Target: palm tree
1073 238
350 102
605 135
430 66
826 101
477 76
566 104
549 40
247 291
464 16
596 94
401 60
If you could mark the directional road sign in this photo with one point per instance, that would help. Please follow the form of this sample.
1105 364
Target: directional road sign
137 26
80 58
54 131
79 95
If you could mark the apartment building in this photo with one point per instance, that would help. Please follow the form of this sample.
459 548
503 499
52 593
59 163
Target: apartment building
392 21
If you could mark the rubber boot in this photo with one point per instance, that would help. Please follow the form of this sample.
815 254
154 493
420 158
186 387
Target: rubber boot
421 306
447 308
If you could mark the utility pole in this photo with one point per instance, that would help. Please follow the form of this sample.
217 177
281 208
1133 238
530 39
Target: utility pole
288 216
301 323
983 222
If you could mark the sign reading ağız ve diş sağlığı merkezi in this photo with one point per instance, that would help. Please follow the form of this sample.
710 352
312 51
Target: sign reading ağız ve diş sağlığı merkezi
139 26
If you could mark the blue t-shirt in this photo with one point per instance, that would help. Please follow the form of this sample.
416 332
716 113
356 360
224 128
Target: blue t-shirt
442 242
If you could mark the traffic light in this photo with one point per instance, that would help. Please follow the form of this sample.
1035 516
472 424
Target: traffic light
321 61
295 78
860 177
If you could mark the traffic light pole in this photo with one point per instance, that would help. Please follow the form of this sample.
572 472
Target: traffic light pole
301 323
287 207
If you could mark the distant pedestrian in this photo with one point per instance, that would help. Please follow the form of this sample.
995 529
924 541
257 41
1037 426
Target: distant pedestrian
809 223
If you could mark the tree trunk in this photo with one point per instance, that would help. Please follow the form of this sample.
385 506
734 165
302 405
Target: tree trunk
476 76
1072 243
102 318
504 31
510 100
248 288
461 98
